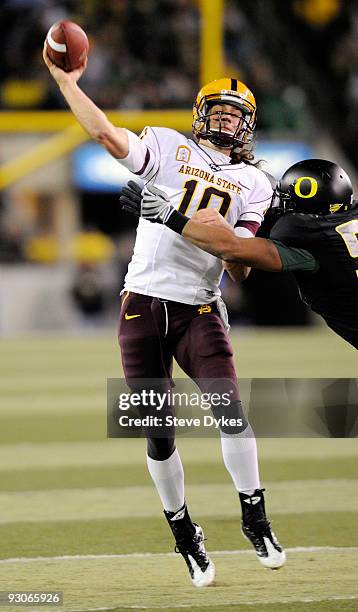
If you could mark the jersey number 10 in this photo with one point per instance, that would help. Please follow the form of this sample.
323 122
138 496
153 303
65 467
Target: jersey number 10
190 187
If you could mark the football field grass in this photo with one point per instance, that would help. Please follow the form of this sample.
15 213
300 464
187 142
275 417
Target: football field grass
79 514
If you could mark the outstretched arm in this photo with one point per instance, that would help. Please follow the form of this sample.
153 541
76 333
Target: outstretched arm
218 239
91 118
207 229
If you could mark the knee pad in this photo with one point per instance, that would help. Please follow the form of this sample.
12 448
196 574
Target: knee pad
232 418
160 448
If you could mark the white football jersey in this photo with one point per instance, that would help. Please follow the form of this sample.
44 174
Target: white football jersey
193 176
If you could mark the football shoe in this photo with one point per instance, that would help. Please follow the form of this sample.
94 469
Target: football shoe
257 529
189 538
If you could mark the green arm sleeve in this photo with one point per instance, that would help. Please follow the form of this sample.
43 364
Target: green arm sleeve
296 259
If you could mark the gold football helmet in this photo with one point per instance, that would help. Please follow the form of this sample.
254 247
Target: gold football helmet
225 91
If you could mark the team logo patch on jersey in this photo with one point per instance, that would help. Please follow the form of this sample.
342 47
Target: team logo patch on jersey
183 154
204 309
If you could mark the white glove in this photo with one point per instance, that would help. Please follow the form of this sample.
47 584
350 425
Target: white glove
155 205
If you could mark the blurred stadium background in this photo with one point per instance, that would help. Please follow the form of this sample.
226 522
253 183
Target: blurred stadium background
65 244
64 247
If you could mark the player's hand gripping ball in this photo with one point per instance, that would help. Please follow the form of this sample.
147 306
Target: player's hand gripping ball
67 45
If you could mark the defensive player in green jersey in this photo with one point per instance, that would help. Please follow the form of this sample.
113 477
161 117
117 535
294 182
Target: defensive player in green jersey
316 237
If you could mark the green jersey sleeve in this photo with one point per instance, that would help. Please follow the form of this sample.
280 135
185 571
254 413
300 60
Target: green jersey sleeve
295 259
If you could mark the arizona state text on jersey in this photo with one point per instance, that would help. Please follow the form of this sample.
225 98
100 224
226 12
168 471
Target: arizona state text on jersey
164 265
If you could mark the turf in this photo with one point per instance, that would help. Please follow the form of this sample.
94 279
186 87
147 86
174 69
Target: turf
344 605
133 581
66 490
114 536
73 477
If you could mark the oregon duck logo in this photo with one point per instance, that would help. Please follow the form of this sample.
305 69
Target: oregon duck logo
313 189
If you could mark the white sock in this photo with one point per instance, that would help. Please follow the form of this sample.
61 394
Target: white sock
168 477
240 457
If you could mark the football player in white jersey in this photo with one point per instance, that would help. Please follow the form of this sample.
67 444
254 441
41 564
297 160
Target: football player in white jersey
171 302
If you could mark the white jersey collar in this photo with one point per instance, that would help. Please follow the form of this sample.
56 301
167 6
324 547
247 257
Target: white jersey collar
216 157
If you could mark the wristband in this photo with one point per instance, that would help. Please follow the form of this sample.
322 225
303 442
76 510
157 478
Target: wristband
176 221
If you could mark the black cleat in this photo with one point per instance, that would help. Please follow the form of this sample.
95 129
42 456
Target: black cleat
257 529
189 538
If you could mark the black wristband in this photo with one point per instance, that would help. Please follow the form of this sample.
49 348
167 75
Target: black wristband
177 221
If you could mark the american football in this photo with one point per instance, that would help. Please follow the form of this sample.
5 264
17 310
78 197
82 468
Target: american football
67 45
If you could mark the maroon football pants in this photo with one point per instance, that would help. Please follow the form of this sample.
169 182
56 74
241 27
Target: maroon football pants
152 332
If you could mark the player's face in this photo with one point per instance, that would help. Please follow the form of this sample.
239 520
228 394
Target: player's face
225 117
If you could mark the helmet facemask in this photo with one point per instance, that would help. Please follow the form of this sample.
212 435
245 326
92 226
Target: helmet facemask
281 202
218 136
